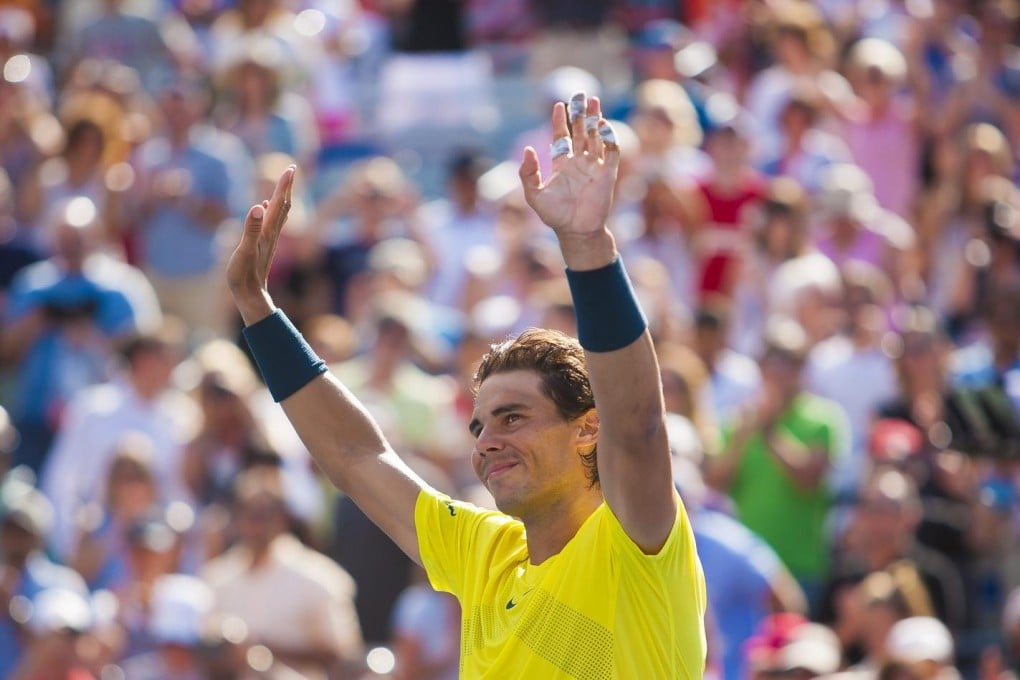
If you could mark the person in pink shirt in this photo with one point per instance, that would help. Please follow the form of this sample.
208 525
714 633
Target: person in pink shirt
880 125
854 227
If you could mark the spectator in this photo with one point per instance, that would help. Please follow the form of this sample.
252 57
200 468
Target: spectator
249 91
780 235
730 194
995 359
130 39
805 147
775 457
789 646
64 313
853 227
735 378
856 357
880 116
883 538
60 619
101 552
77 171
295 601
925 646
456 227
140 399
374 202
952 214
180 605
801 52
426 627
26 518
230 439
154 550
182 201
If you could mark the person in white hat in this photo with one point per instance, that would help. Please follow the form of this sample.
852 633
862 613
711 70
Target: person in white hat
925 645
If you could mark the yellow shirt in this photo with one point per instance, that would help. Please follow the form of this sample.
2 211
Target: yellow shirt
599 609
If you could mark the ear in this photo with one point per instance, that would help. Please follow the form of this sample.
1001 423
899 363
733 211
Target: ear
588 428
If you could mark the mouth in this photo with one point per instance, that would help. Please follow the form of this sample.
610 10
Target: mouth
498 469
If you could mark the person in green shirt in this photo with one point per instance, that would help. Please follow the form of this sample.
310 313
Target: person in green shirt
776 455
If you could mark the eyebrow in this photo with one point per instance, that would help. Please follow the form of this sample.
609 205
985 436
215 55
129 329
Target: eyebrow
475 426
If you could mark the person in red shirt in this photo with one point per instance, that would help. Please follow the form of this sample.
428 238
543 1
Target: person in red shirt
730 193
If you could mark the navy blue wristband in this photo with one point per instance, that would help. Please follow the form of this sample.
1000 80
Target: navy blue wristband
607 311
286 361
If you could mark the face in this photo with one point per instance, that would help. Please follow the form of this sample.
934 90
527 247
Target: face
781 373
525 453
261 518
16 544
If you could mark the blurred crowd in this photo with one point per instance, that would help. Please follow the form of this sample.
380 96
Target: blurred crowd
817 204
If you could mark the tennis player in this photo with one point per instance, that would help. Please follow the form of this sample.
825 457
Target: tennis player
590 569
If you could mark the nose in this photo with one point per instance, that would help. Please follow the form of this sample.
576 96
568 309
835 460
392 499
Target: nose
487 442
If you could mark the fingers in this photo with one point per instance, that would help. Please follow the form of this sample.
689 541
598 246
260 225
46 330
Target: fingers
610 145
252 229
592 140
279 204
531 175
561 148
578 106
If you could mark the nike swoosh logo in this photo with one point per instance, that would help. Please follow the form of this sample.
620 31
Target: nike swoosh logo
510 604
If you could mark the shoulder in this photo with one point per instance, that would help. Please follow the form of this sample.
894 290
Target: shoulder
223 569
819 410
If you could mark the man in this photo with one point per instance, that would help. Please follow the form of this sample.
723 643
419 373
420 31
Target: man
25 572
776 456
63 312
185 186
143 399
295 601
592 570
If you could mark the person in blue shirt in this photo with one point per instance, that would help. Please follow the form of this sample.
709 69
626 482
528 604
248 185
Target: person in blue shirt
745 579
25 572
62 314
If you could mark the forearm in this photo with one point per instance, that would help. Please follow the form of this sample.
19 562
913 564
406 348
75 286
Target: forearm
625 381
805 467
720 469
335 427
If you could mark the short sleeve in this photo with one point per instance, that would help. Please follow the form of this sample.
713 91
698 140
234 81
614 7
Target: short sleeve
454 537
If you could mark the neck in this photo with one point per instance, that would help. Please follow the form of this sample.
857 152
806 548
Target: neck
179 138
144 389
550 532
260 553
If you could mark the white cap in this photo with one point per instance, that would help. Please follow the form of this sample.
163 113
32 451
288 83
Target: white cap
814 647
26 506
57 609
920 638
180 605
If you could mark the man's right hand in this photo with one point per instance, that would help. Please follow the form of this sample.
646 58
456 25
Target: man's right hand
248 267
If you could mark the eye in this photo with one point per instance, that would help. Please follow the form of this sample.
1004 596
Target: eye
511 418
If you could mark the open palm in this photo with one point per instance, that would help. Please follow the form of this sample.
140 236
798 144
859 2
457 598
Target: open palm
576 198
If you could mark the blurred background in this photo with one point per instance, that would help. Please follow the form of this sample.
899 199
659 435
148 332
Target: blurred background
818 206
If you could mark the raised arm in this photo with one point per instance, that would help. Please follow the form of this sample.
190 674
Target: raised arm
338 431
633 452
